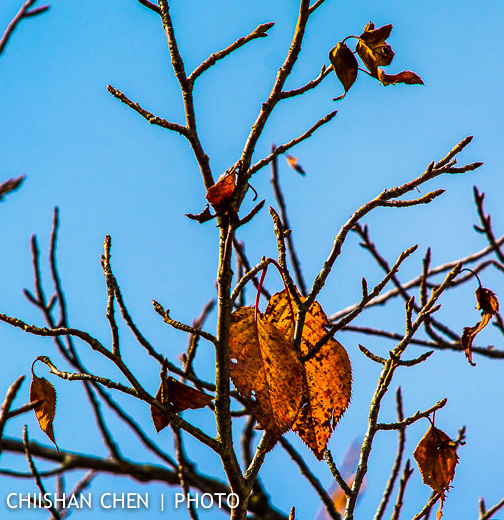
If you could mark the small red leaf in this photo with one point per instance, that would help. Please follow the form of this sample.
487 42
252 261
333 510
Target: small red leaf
178 397
406 76
221 192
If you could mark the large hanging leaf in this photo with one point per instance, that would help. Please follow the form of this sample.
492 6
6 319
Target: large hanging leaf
328 375
436 457
266 371
488 304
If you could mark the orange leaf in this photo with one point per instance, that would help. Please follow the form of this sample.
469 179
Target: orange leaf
293 163
489 306
266 371
222 191
372 48
406 76
328 375
436 457
344 64
42 390
178 396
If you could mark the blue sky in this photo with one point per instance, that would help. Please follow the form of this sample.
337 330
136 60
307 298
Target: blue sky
110 172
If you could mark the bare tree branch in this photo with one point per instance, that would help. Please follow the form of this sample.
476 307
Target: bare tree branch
24 12
259 32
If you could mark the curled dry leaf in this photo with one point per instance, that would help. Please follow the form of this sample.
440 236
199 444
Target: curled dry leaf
202 217
372 48
328 375
43 391
345 64
178 396
406 76
487 301
375 52
266 371
221 192
436 457
488 304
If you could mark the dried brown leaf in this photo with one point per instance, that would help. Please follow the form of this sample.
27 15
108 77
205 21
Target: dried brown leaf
344 64
328 375
266 371
406 76
489 306
375 52
202 217
43 391
487 301
372 48
437 458
183 397
178 397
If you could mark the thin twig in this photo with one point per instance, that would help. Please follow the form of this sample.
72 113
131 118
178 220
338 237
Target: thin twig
259 32
140 472
109 280
182 463
366 298
311 478
284 147
11 185
384 381
337 475
410 420
426 509
150 5
486 222
408 470
151 118
24 12
186 87
6 405
401 442
310 85
296 264
192 343
490 512
38 481
415 282
165 314
273 98
135 428
249 275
